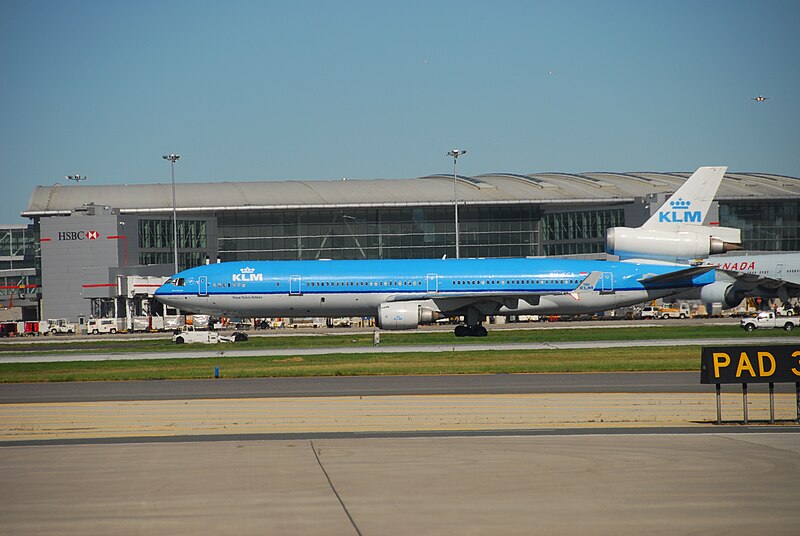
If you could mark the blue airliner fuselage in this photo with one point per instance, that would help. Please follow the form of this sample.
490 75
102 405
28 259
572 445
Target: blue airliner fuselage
401 294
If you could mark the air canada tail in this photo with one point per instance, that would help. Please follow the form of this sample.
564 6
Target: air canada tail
690 203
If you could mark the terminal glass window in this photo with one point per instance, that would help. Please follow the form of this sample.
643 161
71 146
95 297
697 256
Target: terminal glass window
377 233
157 234
765 225
575 233
19 257
155 242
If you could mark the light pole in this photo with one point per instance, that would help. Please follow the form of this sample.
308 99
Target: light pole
172 159
455 153
77 178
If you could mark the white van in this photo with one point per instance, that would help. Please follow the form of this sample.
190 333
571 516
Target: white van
102 325
650 311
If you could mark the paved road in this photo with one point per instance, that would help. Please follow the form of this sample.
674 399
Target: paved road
592 484
630 382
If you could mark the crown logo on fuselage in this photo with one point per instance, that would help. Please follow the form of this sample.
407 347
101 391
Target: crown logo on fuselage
247 274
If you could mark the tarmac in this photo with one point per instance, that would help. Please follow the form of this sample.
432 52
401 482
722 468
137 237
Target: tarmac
563 462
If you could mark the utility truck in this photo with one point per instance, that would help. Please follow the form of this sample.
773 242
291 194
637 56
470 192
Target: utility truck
57 326
680 311
767 320
189 334
102 325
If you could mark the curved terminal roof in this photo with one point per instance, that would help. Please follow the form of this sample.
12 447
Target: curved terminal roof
493 188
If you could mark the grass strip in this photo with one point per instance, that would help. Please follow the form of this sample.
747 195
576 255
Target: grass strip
660 358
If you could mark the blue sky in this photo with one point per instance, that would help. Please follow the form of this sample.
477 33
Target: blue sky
257 90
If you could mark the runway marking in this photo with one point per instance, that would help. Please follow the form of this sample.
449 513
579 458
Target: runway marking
404 413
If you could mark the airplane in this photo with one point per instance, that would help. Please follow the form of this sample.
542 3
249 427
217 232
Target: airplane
402 294
760 98
766 275
676 232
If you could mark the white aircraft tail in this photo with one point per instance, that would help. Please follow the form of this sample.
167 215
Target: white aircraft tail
676 233
690 203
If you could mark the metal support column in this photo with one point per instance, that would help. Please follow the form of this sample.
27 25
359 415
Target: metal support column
744 402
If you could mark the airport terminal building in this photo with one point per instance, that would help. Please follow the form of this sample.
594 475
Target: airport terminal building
93 239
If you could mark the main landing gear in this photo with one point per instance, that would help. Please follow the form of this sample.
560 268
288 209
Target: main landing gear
470 331
473 318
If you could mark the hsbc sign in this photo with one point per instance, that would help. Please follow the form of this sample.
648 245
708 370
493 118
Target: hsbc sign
78 235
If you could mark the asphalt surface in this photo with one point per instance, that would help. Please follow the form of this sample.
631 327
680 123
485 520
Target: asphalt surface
603 453
627 382
595 484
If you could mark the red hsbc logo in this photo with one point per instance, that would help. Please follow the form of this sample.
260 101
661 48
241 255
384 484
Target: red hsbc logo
78 235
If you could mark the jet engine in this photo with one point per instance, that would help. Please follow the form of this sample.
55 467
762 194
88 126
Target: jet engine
724 292
406 315
690 242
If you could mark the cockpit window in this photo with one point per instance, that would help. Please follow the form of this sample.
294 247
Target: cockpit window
177 281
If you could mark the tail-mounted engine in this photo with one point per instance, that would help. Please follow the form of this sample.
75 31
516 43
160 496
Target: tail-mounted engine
687 242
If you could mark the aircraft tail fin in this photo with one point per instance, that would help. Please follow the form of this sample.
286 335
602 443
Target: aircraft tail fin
690 203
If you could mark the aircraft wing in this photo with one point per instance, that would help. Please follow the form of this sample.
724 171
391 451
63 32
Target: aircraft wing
679 275
752 282
491 300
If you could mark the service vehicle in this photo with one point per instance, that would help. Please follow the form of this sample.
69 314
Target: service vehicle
8 329
681 311
189 334
96 326
767 320
28 328
57 326
649 311
306 323
343 322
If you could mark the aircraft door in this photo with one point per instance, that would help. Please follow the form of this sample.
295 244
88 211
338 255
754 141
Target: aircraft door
607 283
433 282
779 271
202 285
295 282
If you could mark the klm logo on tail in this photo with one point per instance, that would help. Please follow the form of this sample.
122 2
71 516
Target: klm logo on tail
680 213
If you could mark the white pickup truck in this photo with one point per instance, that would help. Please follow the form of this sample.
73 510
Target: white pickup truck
191 335
767 319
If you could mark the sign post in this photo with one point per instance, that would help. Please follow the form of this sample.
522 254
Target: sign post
751 364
